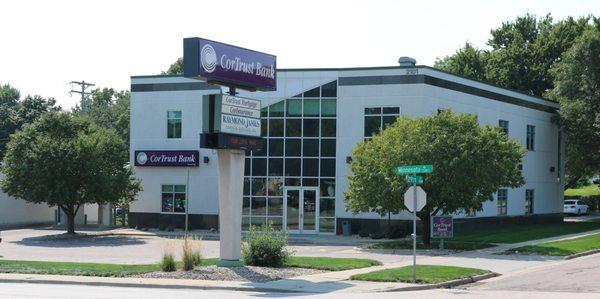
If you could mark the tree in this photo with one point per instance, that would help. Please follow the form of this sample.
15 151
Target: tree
108 108
14 112
522 53
470 163
467 61
577 89
66 161
176 68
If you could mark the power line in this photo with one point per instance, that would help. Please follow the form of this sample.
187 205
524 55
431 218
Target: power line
83 85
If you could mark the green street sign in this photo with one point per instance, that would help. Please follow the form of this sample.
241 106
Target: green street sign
414 169
418 180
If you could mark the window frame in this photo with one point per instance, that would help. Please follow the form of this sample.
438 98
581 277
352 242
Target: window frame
502 209
506 129
173 198
530 138
529 201
180 123
381 115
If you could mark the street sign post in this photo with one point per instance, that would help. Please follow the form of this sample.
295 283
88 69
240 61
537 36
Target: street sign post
417 202
413 169
411 179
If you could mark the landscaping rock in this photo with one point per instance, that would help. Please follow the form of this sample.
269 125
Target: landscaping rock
247 273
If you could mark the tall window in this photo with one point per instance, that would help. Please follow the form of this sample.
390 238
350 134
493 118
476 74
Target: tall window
378 118
503 124
173 198
529 201
530 137
502 201
299 151
173 124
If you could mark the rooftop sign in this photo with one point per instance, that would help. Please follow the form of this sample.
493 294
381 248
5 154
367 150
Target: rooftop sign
229 65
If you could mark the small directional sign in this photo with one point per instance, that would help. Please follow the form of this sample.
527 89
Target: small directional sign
414 169
414 179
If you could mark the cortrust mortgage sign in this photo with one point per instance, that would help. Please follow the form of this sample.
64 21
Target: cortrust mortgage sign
224 113
229 65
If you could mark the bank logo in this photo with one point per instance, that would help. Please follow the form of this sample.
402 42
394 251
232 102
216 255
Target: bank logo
141 158
208 58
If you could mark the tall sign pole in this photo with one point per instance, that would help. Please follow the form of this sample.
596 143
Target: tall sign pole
414 200
414 230
230 124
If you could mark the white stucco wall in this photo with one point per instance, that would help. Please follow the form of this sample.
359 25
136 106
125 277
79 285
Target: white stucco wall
148 132
15 212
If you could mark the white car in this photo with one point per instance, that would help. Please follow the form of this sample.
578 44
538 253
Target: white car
573 206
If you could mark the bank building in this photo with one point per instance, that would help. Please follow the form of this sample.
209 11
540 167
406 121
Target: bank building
310 124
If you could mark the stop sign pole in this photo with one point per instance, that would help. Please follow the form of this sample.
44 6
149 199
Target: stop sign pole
414 230
414 170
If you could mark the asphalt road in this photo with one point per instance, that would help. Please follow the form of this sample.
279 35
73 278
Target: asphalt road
580 275
25 290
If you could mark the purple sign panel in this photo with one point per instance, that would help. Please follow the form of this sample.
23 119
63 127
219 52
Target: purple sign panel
167 158
229 65
442 227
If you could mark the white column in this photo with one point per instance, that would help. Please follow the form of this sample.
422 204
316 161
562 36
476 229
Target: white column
231 187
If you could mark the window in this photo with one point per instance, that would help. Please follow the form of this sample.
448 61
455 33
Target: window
173 198
530 137
503 124
502 201
378 118
529 201
300 151
173 124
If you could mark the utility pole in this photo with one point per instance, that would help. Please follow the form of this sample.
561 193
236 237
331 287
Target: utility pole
83 85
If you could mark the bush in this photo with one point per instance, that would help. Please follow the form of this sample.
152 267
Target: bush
266 247
191 253
162 226
168 263
363 232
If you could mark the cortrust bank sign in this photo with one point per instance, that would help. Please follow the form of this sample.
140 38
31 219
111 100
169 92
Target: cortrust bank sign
229 65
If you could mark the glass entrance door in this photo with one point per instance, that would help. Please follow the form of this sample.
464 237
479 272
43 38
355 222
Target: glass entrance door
302 210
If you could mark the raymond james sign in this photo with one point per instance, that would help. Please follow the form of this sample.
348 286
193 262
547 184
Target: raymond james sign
442 227
229 65
233 115
167 158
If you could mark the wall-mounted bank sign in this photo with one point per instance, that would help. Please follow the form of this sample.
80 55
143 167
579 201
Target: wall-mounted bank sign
229 65
167 158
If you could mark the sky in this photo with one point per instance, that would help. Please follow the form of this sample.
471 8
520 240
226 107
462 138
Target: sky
44 45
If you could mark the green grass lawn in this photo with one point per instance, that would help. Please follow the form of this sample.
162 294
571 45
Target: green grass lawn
329 264
562 248
588 190
425 274
521 233
407 244
116 270
80 269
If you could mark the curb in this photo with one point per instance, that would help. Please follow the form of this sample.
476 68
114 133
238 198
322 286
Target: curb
447 284
589 252
149 285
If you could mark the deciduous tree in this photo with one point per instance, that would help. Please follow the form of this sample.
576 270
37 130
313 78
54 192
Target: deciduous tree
470 163
66 161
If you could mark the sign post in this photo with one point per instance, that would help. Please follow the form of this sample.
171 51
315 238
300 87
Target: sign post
230 124
418 201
